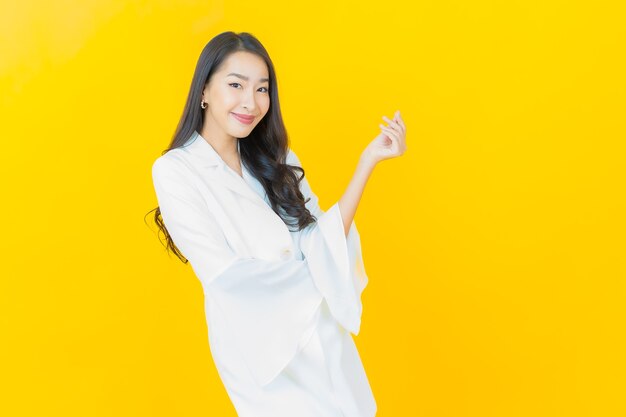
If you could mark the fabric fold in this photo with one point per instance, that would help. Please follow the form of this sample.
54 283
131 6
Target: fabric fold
336 264
335 260
268 307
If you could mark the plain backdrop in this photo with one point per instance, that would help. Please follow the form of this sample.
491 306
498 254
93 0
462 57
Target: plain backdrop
494 247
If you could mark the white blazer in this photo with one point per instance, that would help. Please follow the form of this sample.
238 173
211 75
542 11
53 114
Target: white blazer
260 292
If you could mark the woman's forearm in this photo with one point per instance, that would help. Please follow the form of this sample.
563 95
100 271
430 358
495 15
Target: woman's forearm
349 201
390 143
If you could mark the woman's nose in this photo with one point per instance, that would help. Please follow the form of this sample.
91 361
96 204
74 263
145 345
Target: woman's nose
249 101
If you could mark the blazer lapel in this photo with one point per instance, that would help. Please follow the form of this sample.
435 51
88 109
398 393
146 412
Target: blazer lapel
214 168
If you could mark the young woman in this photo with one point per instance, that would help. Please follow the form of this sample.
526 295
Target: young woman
282 279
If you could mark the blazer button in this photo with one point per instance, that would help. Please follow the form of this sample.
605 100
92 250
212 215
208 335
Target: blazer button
285 254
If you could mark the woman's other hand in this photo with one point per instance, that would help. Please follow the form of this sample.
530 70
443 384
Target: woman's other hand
390 143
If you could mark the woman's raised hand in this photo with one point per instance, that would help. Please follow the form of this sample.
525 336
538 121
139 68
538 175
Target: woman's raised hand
390 143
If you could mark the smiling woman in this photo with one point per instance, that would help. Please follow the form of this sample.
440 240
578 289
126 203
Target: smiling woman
282 279
236 98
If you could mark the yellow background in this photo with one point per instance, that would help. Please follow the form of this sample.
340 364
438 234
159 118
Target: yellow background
495 246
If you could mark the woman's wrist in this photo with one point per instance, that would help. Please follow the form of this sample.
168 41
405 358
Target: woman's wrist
366 162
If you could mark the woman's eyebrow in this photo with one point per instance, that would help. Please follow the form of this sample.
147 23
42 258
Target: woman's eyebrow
243 77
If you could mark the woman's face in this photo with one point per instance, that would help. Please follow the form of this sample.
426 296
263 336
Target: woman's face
240 87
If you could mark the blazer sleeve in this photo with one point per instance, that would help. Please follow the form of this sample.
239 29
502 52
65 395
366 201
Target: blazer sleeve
267 306
334 259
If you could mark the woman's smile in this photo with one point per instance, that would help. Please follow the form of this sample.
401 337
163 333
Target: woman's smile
245 119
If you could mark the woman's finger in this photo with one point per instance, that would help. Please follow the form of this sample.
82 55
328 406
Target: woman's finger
392 123
399 120
401 124
395 140
390 132
391 129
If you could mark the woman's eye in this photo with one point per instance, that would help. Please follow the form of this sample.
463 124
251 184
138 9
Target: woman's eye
233 84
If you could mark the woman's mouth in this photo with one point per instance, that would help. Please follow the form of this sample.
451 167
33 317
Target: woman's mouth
245 119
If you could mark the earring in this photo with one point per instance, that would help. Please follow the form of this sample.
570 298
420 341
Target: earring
203 104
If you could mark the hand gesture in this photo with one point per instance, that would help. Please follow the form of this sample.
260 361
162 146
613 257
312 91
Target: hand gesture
390 143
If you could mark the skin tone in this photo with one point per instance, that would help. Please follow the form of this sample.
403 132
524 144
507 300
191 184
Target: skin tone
390 143
226 94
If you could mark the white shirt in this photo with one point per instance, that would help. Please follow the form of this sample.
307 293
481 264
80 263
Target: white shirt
280 305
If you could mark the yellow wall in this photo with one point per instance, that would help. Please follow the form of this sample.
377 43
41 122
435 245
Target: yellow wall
495 246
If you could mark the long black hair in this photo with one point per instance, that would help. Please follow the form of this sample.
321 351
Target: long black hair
263 153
